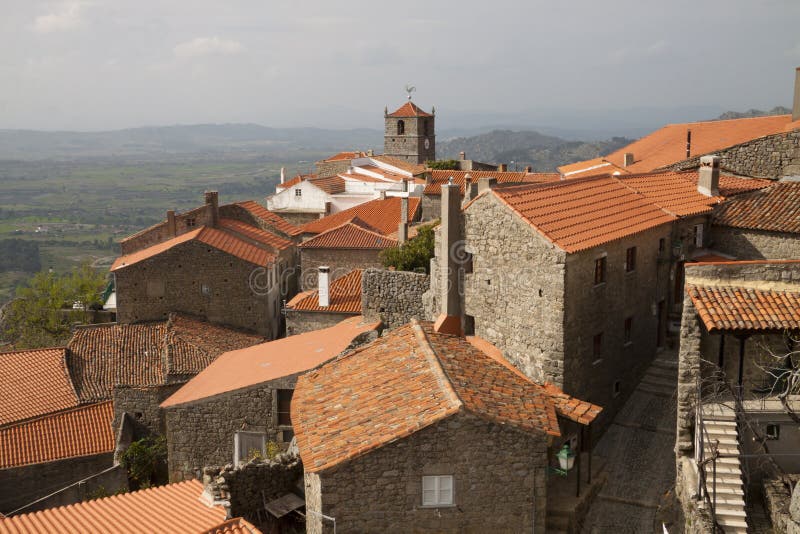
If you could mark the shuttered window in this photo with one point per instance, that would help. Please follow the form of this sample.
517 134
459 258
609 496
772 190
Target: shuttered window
437 490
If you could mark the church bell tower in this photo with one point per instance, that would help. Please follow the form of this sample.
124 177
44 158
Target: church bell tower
409 133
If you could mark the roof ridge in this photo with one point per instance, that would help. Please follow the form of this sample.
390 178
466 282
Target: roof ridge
64 411
647 199
31 350
433 361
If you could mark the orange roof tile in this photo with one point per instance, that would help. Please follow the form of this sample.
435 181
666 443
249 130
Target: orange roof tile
383 215
583 213
276 221
237 525
275 359
723 308
102 356
256 234
174 508
344 296
34 382
345 156
409 109
71 433
773 209
330 184
667 145
591 167
406 380
294 181
214 237
350 235
459 178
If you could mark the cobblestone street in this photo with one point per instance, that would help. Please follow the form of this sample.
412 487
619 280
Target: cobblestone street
638 449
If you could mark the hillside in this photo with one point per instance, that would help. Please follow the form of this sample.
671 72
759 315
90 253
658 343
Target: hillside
777 110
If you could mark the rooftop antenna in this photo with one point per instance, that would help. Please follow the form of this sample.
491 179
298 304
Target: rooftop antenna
410 89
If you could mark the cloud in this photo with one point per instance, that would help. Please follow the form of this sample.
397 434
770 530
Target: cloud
63 16
206 46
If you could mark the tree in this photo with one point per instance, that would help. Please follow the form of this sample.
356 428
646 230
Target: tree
443 165
415 254
42 313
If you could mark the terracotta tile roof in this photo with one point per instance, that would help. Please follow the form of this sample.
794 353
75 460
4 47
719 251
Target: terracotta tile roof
344 296
409 109
276 221
237 525
296 180
330 184
146 354
34 382
414 168
404 381
591 167
574 409
667 145
274 359
214 237
174 508
350 235
583 213
723 308
345 156
386 175
81 431
459 178
256 234
773 209
381 214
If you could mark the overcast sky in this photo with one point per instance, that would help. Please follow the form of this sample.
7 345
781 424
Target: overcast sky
103 64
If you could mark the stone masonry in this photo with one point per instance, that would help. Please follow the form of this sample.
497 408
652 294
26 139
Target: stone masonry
381 491
300 322
341 262
394 297
142 405
747 244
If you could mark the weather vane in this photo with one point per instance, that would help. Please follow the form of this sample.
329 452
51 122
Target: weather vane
410 89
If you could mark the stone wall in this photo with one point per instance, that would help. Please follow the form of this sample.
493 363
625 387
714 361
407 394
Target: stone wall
247 488
431 207
772 156
202 433
20 486
332 168
410 146
688 376
142 405
697 517
299 322
341 262
394 297
783 503
746 244
161 232
200 280
499 478
298 218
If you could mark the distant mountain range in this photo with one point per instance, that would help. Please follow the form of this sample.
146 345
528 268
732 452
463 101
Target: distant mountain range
777 110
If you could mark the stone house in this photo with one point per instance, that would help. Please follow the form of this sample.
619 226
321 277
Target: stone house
231 410
329 304
740 325
225 270
427 429
762 224
578 287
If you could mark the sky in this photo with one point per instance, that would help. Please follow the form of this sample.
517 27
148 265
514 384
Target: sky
108 64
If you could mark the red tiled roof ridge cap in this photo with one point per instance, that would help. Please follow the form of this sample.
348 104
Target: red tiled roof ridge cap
433 360
71 409
18 351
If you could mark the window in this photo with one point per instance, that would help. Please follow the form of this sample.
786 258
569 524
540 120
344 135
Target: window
628 330
205 290
298 192
401 127
617 385
437 490
599 270
698 235
662 246
284 404
287 435
773 432
191 221
630 259
597 346
248 445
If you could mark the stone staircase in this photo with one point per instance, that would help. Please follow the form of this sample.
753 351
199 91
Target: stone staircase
660 378
720 425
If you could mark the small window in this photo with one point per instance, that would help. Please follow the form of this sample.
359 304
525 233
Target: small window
249 445
205 290
662 246
284 405
628 330
191 222
599 270
287 435
298 192
630 259
401 127
773 432
437 490
698 235
597 346
617 385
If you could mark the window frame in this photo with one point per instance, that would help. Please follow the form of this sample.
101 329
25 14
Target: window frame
597 346
237 452
699 237
627 334
600 270
437 502
279 422
630 259
298 192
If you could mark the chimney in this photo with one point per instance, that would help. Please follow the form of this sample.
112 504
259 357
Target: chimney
402 228
688 144
382 194
503 167
324 286
172 228
470 188
212 199
283 175
528 169
462 155
627 159
485 183
796 105
449 320
370 153
708 180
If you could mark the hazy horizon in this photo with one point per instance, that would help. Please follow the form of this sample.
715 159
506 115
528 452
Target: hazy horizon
94 65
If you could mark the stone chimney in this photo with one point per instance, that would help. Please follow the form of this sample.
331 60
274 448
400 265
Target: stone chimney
462 155
528 169
449 320
485 183
796 105
627 159
402 228
172 228
323 281
370 153
212 200
503 167
708 180
283 175
470 188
